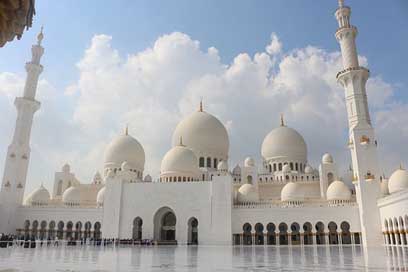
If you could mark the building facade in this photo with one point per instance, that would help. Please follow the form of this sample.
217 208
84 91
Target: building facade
199 199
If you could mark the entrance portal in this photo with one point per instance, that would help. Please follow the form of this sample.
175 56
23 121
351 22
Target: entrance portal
165 225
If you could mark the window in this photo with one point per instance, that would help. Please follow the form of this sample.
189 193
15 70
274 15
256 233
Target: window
215 163
274 167
291 166
297 167
201 164
209 162
280 167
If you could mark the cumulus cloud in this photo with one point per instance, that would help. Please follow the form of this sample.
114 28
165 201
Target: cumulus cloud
152 90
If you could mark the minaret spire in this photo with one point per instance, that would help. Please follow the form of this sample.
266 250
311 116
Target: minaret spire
282 122
363 149
201 105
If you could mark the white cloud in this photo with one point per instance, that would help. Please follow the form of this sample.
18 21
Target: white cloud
154 89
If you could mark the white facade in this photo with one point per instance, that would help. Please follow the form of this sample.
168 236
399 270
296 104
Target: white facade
197 199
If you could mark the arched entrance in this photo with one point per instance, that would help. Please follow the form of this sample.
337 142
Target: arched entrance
345 233
307 234
137 228
259 235
165 225
34 231
320 236
246 235
60 232
97 230
295 233
271 234
192 238
283 234
333 237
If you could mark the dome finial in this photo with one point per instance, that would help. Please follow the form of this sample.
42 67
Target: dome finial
341 3
401 167
181 141
40 36
201 104
127 130
281 120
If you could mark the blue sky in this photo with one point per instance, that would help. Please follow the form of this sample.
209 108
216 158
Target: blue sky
139 62
232 26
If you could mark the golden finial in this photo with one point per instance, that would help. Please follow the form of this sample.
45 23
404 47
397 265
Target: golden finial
201 104
127 130
181 141
40 36
341 3
281 120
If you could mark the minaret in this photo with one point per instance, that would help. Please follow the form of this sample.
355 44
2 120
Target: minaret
18 154
362 141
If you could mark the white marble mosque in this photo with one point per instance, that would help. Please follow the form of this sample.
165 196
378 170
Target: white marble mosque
200 199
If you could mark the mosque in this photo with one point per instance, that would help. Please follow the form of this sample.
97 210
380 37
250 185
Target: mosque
199 199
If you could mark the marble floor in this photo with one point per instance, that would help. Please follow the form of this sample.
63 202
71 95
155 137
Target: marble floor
204 258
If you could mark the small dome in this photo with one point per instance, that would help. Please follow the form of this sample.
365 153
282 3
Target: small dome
39 197
292 192
286 168
124 148
147 178
66 168
100 198
180 160
398 181
384 187
71 196
125 166
204 134
337 190
249 162
110 173
97 179
247 193
284 143
308 169
222 166
237 170
327 158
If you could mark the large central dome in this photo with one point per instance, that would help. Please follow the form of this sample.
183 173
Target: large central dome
284 143
204 134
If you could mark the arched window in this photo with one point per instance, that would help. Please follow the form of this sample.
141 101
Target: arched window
137 228
259 236
330 178
297 167
320 239
179 178
201 164
209 162
283 234
184 178
295 233
274 167
333 237
270 168
215 163
249 179
307 234
345 233
280 166
271 239
192 238
247 236
291 166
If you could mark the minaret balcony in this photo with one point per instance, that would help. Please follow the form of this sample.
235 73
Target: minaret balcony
369 177
364 140
352 69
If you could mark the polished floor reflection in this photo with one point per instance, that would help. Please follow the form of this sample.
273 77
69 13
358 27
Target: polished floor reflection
205 258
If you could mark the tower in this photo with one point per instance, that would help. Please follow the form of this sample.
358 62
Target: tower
362 141
18 153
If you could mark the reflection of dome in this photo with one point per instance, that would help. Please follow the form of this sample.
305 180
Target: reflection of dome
247 193
249 162
39 197
180 160
292 192
398 181
284 143
71 196
125 148
222 166
286 168
204 134
337 190
308 169
100 198
327 158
